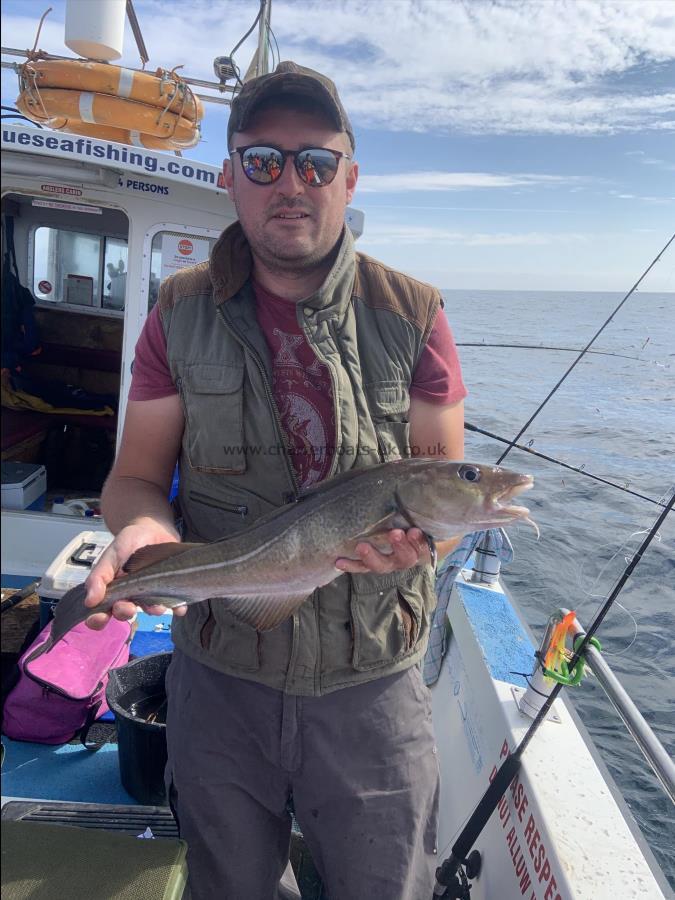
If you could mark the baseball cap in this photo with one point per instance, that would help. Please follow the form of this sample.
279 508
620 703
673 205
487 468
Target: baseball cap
288 79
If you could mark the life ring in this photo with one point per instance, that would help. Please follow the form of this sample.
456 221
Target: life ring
125 136
65 110
158 111
162 89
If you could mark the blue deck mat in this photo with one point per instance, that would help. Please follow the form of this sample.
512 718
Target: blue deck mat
62 772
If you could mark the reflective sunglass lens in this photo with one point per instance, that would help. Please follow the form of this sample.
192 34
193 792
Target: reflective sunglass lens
316 166
262 164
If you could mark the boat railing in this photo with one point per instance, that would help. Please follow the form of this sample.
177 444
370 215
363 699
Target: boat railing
259 66
652 749
228 89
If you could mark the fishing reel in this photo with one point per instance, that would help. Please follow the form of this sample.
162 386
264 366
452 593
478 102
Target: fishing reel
452 877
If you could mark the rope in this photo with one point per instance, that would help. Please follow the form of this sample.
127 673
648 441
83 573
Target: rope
37 36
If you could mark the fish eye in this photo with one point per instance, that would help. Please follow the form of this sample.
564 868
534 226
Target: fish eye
469 473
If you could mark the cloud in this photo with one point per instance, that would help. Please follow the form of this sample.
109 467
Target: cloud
578 67
454 181
646 160
560 66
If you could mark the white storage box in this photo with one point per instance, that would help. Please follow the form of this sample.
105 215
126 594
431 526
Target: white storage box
70 568
23 485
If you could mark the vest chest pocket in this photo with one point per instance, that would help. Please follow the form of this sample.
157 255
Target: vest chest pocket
213 402
389 403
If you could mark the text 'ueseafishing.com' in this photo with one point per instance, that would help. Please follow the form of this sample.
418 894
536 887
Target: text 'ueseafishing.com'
87 148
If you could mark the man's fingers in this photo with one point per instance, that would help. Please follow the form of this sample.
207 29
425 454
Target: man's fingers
96 587
408 549
98 621
351 565
124 609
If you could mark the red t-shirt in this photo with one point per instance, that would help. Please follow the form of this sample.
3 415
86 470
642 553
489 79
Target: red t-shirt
300 383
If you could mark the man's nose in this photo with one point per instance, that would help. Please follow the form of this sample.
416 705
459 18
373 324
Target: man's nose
290 182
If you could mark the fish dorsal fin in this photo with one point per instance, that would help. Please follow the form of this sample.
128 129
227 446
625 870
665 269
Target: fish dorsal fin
154 553
264 612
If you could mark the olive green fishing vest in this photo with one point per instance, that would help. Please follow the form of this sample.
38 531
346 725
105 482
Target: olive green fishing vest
368 325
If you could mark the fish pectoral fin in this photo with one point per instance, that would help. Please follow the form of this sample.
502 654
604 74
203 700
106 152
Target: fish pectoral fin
378 533
264 612
154 553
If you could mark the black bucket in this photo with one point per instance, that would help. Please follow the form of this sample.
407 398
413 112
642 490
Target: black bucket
137 696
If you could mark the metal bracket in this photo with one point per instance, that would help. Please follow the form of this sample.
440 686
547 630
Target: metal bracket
519 692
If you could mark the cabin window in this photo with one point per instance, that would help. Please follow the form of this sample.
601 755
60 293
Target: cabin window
114 273
77 268
174 250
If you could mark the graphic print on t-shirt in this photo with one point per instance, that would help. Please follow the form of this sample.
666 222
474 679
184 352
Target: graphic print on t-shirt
302 388
303 393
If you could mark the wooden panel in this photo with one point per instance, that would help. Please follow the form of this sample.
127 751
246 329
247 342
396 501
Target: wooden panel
75 329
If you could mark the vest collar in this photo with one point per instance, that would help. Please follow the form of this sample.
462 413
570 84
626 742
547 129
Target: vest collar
231 263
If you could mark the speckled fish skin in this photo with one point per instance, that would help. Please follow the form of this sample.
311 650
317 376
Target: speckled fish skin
267 571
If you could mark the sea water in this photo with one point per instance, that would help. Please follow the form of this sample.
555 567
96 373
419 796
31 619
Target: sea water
614 416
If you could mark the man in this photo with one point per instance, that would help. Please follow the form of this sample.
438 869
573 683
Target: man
286 359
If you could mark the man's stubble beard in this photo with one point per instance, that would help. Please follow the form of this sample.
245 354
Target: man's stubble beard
277 258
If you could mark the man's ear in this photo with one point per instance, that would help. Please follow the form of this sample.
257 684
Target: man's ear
228 175
352 178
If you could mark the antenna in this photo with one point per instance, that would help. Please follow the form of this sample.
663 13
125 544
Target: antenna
262 61
136 30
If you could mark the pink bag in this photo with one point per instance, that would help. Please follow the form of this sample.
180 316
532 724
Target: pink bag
62 692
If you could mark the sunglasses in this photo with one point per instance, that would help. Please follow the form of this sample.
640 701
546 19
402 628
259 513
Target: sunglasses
316 166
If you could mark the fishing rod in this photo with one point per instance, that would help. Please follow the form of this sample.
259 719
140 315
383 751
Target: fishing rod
451 877
545 347
583 352
580 470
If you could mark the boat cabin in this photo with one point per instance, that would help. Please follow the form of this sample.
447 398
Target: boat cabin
94 227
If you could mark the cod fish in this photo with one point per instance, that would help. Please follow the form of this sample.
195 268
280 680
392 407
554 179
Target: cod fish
265 572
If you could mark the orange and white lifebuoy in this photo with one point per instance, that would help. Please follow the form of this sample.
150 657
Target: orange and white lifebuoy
162 89
109 102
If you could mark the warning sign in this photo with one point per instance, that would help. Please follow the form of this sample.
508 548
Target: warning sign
181 252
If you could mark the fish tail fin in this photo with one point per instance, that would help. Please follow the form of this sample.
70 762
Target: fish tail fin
43 648
70 611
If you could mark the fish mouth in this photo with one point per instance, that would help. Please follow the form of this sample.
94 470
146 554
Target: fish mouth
499 500
503 510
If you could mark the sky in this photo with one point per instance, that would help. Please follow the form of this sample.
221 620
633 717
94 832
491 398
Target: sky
523 145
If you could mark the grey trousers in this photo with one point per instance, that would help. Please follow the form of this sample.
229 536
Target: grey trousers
359 764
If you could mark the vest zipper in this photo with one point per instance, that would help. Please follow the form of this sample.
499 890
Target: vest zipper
239 508
336 405
270 399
